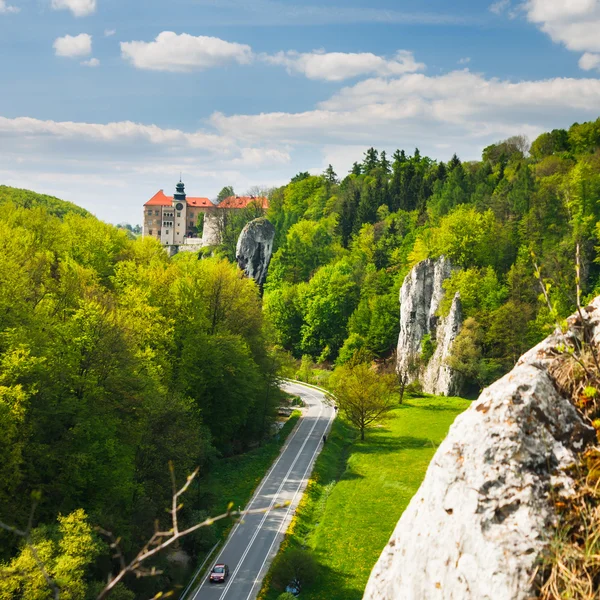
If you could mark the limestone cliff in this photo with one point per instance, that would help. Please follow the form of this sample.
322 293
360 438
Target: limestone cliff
254 249
482 517
420 298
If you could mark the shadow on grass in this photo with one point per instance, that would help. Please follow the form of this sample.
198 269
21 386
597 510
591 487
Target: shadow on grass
437 407
332 585
390 444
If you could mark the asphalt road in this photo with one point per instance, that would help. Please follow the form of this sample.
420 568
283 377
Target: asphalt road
254 542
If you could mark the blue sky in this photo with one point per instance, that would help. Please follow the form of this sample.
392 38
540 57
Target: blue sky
105 101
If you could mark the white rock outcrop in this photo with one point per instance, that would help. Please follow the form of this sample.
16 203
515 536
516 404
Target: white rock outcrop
438 377
420 298
479 522
211 235
254 249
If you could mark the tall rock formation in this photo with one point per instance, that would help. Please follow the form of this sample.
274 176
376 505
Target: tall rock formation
420 298
254 249
483 515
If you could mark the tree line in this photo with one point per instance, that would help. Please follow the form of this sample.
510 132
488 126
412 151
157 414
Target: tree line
344 247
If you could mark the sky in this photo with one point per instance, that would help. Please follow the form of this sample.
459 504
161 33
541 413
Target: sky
104 102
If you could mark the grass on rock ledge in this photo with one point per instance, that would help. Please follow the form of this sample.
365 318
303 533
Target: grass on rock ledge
358 492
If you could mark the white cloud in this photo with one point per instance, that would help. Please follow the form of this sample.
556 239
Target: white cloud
109 32
7 8
589 61
92 62
337 66
121 132
73 46
460 108
184 53
253 157
464 61
80 8
574 23
499 7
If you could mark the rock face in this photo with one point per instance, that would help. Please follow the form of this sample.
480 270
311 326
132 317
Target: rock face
211 230
438 377
254 249
482 516
420 299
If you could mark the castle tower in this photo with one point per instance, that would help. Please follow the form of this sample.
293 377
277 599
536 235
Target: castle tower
180 213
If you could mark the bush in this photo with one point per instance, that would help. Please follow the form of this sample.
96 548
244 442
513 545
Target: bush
415 388
296 567
427 348
286 596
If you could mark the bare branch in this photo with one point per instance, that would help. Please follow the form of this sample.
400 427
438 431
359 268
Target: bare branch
158 542
163 539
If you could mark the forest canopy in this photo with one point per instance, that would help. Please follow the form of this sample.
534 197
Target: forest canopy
114 360
344 246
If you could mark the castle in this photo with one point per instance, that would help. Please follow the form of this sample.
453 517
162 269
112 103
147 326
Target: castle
174 220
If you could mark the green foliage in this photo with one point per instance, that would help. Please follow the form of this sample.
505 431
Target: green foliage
427 348
467 237
29 199
308 245
363 395
115 360
327 302
66 550
486 217
226 192
479 290
297 568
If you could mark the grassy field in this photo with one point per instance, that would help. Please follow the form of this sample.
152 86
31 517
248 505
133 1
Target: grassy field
360 489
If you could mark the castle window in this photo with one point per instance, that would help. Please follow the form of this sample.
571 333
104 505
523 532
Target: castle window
149 231
178 214
191 223
167 232
156 213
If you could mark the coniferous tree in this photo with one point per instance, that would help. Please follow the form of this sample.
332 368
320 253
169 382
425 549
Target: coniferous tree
371 160
384 163
330 175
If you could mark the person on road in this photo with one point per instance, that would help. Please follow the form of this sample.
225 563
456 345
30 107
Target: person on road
324 438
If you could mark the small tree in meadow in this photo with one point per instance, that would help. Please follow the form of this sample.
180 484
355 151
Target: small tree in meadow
364 395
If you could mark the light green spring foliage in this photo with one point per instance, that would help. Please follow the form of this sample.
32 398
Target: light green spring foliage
66 551
114 360
388 214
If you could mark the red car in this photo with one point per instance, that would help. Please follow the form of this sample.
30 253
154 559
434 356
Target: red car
219 574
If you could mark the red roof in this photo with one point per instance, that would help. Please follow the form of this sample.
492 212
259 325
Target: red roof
243 201
159 199
199 202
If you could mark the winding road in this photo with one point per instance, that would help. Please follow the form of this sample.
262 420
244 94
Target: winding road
253 543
